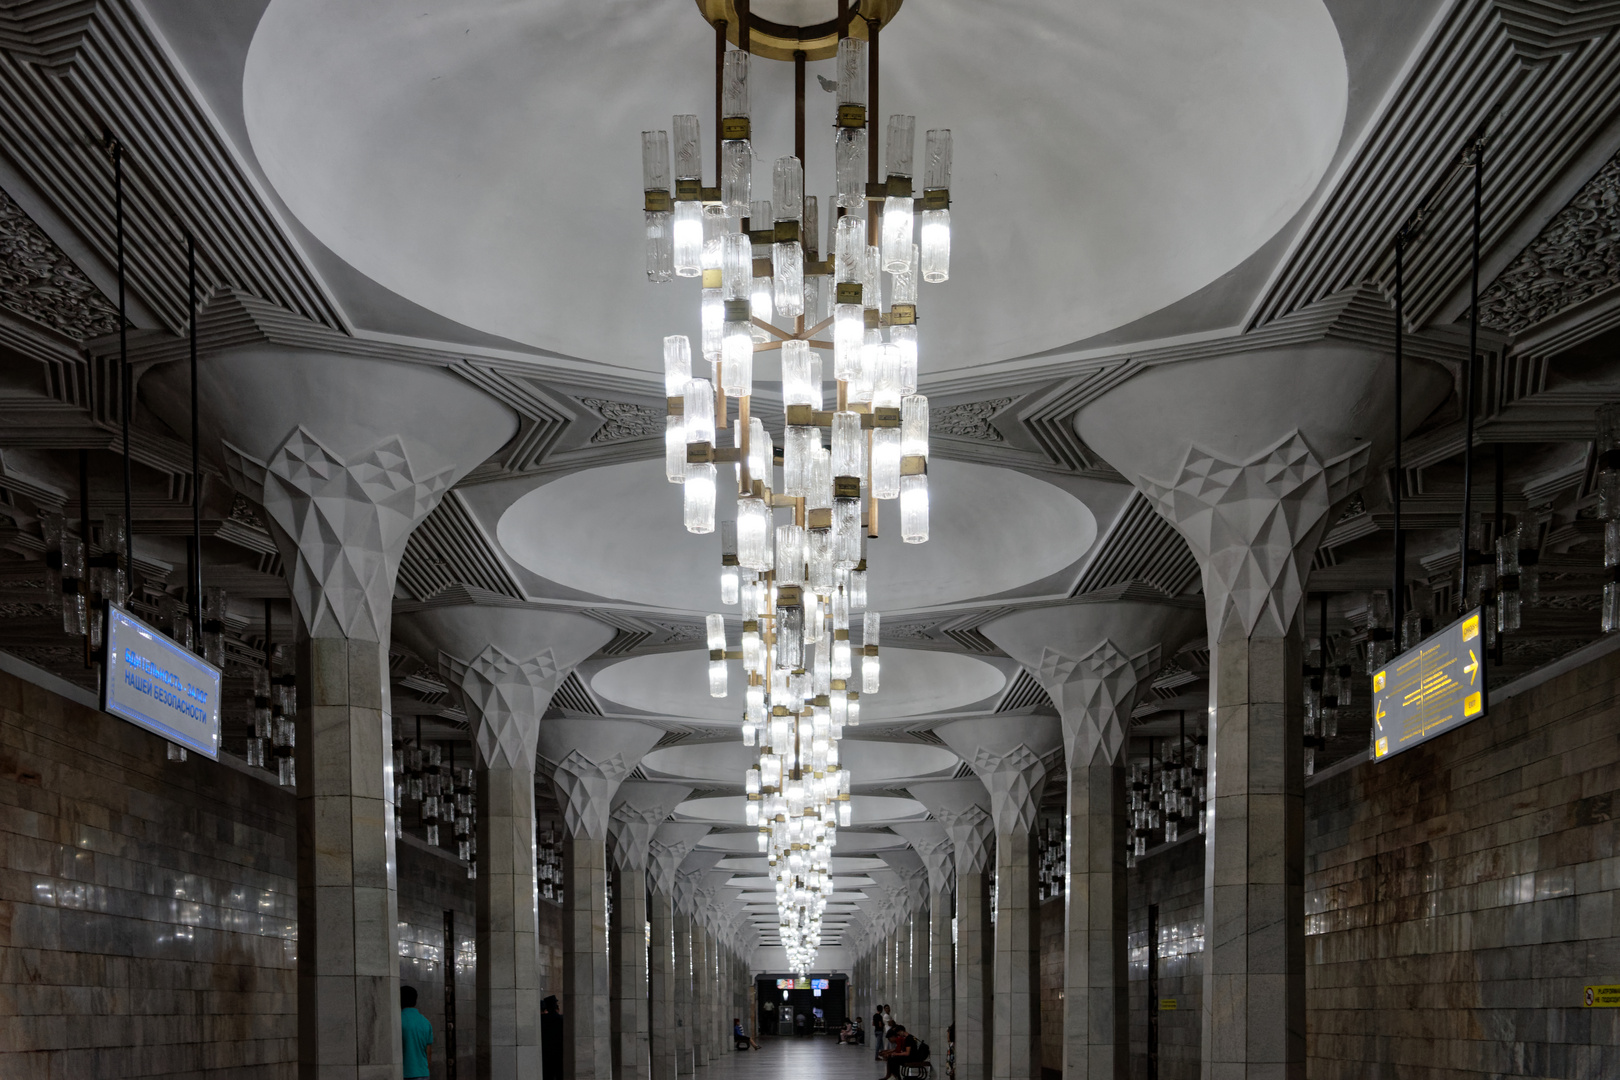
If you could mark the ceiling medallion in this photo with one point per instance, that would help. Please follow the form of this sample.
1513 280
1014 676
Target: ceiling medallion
765 287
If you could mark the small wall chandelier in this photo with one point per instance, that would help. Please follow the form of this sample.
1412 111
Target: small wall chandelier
794 559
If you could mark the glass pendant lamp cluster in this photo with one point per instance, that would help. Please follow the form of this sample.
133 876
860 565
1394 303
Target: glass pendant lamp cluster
1167 795
793 562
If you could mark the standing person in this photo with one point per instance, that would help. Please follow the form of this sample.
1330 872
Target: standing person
877 1032
551 1039
416 1032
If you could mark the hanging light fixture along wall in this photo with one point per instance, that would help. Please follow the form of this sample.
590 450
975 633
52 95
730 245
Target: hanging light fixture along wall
794 559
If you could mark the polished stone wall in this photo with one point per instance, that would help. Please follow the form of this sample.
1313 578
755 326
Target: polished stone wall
1174 880
430 883
148 916
1460 895
1052 987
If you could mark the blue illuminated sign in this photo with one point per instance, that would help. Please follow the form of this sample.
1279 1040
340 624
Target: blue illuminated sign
160 686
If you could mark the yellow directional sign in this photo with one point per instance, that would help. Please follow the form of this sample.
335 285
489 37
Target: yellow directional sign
1428 690
1167 1004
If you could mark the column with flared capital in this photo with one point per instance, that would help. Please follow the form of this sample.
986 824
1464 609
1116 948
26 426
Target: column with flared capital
700 991
341 499
685 992
1248 456
639 807
1090 658
590 758
933 846
1009 754
669 956
963 808
503 664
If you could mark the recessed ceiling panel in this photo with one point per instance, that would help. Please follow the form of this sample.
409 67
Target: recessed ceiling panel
483 160
616 531
915 683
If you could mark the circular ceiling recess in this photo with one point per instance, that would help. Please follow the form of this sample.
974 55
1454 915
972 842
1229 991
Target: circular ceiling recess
675 685
863 810
615 532
868 761
440 150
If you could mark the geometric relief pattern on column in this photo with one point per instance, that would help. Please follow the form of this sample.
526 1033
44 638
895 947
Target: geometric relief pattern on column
341 525
505 699
936 857
970 830
1015 779
587 788
1094 696
1253 526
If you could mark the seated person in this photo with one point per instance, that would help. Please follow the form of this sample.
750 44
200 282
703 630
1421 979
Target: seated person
742 1037
907 1050
846 1032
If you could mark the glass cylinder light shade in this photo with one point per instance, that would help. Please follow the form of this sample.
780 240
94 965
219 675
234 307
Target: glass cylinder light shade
913 509
736 176
904 338
675 449
849 165
687 239
797 385
714 627
787 190
797 460
886 463
790 549
914 426
761 302
848 444
934 231
734 85
937 160
846 533
717 678
870 666
809 231
821 478
789 637
753 533
737 356
851 61
736 266
699 497
787 268
849 250
849 332
699 411
885 375
660 245
677 364
688 148
713 314
655 161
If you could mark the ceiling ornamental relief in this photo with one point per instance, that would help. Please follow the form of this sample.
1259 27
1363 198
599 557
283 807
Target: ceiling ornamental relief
39 282
969 420
625 420
1575 258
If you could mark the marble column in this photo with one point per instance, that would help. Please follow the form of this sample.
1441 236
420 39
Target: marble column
1090 657
517 659
700 994
1249 455
669 958
1009 755
934 848
639 807
717 1030
342 490
685 1059
963 808
591 758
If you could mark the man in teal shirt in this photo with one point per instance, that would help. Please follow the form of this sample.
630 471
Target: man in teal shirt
417 1033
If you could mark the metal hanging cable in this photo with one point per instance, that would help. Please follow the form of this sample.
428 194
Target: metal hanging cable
125 383
196 467
1468 381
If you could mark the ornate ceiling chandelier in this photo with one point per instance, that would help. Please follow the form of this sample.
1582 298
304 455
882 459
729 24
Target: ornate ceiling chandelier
765 287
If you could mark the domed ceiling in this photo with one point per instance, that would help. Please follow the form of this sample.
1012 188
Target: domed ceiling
482 160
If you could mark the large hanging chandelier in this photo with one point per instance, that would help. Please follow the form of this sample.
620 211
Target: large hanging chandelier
794 559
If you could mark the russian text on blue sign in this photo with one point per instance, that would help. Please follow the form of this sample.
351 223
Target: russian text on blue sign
1428 690
159 685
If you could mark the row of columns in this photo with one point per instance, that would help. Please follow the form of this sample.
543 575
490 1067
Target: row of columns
342 497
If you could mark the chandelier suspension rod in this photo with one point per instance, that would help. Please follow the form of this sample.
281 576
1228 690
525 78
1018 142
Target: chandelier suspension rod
719 94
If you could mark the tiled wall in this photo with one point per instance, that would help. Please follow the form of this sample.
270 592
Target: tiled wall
1460 895
1174 880
147 909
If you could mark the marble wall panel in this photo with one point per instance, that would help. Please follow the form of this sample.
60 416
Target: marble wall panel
1174 880
429 884
1052 987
